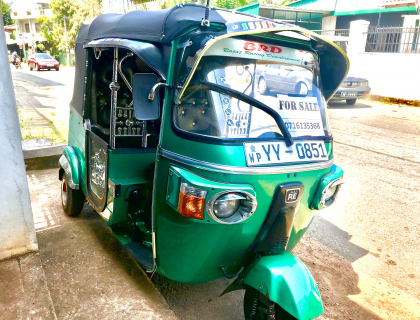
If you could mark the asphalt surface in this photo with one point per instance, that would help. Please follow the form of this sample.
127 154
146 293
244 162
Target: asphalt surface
373 229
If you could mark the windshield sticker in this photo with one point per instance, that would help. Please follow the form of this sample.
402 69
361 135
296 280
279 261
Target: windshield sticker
256 50
301 115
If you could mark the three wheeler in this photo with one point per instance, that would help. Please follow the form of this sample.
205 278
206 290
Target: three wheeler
202 137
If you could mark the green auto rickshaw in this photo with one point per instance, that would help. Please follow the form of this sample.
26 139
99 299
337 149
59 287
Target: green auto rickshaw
202 137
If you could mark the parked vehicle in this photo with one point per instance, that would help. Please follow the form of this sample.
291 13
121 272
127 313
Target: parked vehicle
198 175
352 89
284 78
17 63
39 61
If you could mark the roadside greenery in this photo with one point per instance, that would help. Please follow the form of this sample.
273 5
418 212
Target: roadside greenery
61 29
6 8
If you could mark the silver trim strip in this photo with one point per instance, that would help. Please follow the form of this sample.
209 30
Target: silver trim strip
244 170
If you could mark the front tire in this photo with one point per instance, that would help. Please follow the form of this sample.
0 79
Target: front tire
36 67
30 68
262 86
72 200
254 306
351 102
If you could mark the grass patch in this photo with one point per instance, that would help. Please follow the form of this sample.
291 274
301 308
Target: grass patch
34 124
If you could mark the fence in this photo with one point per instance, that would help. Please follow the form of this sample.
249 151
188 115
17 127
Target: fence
393 39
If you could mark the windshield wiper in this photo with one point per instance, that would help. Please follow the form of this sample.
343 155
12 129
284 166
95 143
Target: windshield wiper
240 96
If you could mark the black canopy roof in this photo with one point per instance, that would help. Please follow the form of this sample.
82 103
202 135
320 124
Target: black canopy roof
156 26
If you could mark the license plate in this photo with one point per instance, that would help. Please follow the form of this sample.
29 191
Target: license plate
265 153
50 65
349 94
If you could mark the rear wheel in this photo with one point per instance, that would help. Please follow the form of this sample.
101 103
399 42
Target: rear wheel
71 199
262 86
351 101
258 307
30 68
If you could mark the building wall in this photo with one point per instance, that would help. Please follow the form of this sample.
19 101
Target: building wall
388 19
388 73
329 23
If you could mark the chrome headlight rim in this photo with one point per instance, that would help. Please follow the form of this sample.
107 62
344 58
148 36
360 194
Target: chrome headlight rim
335 183
210 204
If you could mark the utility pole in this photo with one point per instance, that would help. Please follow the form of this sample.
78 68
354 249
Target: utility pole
65 40
17 230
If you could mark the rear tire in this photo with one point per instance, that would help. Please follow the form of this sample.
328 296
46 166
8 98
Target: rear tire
72 200
30 68
351 102
262 86
253 305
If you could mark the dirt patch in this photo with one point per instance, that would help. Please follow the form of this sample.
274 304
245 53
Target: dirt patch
389 100
336 280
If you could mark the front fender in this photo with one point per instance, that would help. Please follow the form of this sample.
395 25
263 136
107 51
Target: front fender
70 164
285 280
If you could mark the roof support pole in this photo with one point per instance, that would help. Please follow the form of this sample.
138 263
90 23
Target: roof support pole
17 230
114 86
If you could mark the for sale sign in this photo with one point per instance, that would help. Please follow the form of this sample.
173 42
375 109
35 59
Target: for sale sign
256 50
301 115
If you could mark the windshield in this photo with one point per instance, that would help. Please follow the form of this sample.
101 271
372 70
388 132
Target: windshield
282 78
43 56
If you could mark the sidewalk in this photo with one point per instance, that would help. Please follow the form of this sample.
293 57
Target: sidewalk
80 272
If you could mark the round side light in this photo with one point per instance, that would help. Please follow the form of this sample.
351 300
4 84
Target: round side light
233 206
330 193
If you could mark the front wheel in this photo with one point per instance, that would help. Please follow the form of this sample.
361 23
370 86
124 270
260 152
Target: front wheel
36 67
262 86
258 307
71 199
351 102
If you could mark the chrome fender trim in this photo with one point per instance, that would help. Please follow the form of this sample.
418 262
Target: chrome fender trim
64 163
244 170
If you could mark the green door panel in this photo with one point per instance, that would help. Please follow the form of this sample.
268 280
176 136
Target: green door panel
193 251
285 280
128 168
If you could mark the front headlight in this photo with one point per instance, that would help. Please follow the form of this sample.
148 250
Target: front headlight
230 207
330 193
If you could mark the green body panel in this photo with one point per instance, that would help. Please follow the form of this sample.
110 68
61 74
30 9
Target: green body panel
193 251
77 141
285 280
130 169
336 173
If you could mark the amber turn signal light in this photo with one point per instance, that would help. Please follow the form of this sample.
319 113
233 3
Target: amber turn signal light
191 201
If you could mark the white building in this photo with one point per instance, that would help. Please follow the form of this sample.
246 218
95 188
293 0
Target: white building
25 16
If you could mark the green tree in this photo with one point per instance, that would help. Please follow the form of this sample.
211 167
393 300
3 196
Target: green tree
61 29
6 8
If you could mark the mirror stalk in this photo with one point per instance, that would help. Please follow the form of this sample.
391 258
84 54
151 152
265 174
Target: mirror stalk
157 85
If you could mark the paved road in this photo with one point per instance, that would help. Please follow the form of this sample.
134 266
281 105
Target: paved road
363 251
45 78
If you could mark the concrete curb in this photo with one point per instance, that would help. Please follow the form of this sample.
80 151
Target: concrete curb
43 158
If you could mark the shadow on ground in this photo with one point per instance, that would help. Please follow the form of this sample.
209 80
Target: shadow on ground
38 81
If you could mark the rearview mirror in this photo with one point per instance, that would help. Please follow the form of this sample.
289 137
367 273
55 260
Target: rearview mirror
144 108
